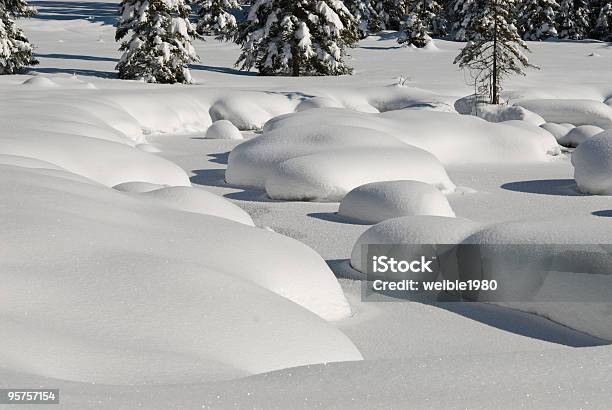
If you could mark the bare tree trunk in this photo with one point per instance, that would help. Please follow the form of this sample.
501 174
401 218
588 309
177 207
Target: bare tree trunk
495 91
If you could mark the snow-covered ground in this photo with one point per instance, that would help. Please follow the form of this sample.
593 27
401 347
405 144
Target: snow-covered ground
132 275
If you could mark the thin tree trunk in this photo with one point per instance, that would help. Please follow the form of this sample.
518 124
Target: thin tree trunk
495 98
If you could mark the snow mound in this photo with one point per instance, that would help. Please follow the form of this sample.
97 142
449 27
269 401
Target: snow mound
578 135
592 162
578 112
40 82
26 162
576 285
329 176
557 130
223 129
496 113
137 187
196 200
317 102
413 230
148 148
163 296
378 201
250 111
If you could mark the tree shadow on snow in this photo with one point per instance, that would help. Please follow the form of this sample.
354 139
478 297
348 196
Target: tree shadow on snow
76 57
561 187
223 70
75 71
606 213
68 10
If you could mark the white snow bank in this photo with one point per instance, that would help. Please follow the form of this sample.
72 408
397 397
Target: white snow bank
575 285
162 296
577 112
137 187
378 201
329 176
41 82
592 162
413 230
197 200
223 129
578 135
496 113
557 130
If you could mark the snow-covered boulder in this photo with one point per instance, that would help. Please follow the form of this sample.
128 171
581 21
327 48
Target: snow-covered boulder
558 269
162 296
378 201
592 162
223 129
329 176
413 230
578 135
578 112
557 130
197 200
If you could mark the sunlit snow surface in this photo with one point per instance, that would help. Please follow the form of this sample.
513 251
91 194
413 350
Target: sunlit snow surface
115 271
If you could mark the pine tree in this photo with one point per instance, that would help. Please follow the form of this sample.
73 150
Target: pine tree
15 49
464 14
497 51
573 19
215 19
158 48
536 19
424 19
365 16
389 14
603 25
304 37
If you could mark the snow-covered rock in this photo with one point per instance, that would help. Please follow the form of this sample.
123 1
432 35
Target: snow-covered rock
329 176
559 269
378 201
196 200
223 129
557 130
413 230
578 135
592 162
121 291
578 112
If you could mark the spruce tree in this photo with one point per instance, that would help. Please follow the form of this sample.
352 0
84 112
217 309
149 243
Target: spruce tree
603 25
464 14
497 50
297 38
215 19
424 19
536 19
389 14
158 47
365 16
573 19
15 49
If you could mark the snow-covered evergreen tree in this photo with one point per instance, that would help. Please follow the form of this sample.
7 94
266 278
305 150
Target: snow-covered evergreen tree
464 14
537 19
303 37
389 14
15 49
215 19
158 46
424 19
497 51
603 25
573 19
365 16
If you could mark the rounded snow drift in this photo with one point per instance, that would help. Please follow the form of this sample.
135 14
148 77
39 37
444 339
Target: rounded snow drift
414 230
557 130
40 81
378 201
137 187
592 162
223 130
578 135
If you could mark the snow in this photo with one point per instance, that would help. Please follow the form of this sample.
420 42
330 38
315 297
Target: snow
577 112
192 199
578 135
377 201
159 304
223 129
592 162
557 130
413 230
